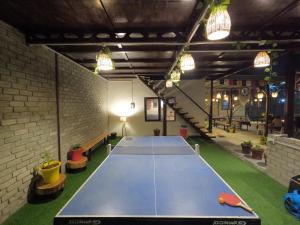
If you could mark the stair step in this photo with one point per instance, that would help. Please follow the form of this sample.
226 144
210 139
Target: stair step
210 135
183 113
177 108
204 130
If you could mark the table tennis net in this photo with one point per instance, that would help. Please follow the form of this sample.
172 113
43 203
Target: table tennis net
155 150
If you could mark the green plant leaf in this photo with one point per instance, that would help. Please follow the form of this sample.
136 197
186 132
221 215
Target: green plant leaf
267 70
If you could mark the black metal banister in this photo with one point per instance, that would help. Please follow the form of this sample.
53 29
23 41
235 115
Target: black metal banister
192 100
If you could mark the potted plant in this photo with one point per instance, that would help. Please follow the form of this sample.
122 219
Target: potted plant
156 132
246 147
263 140
76 152
257 152
231 129
49 169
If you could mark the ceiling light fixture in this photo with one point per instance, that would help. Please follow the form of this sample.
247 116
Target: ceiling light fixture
132 104
218 24
187 62
218 96
104 61
274 94
260 95
169 83
262 59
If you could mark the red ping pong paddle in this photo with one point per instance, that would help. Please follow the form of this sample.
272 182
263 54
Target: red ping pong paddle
233 200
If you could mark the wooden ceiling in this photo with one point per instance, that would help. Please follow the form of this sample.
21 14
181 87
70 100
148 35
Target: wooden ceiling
145 36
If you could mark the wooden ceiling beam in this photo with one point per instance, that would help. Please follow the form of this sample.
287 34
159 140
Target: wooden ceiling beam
169 60
171 36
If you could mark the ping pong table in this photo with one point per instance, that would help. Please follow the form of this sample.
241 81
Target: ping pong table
153 180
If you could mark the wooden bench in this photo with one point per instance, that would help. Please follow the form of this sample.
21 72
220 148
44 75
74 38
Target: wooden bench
88 146
221 123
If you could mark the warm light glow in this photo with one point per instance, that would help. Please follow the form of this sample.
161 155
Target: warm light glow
123 118
213 100
225 97
235 98
206 99
104 61
255 100
260 99
274 94
262 59
123 109
169 83
175 76
218 96
187 62
260 95
217 100
218 24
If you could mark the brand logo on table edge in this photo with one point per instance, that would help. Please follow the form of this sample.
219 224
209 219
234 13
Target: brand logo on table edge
225 222
84 222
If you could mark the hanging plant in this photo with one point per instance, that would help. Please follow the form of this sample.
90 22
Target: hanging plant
175 76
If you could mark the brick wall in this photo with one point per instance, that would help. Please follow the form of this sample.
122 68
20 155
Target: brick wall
83 104
28 122
283 158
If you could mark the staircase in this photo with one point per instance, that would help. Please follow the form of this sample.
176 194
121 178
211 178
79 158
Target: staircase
158 87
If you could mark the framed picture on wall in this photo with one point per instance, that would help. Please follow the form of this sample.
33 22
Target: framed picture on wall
152 108
225 105
171 115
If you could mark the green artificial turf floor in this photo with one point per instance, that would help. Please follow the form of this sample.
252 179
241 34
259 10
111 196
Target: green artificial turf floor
262 193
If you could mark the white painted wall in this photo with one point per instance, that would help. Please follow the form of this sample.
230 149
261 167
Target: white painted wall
119 99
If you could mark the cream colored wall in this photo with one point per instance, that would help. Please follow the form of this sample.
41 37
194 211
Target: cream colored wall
196 90
119 99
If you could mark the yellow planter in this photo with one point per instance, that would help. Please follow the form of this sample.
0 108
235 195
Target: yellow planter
50 175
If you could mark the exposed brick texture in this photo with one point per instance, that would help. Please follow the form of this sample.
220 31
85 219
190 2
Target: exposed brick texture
283 159
28 120
83 105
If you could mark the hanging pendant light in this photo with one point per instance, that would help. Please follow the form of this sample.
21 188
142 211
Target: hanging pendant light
175 76
132 104
262 59
274 94
260 95
169 83
218 96
187 62
225 97
104 61
218 24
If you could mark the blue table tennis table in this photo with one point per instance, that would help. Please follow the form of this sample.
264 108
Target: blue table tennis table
153 180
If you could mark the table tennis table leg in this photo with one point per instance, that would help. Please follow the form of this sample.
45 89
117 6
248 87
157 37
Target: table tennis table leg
197 149
108 149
